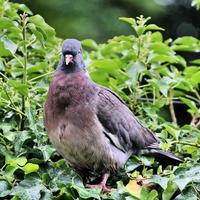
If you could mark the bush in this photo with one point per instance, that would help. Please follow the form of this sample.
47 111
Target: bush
150 74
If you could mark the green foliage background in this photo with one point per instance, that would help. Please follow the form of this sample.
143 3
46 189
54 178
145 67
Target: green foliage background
148 72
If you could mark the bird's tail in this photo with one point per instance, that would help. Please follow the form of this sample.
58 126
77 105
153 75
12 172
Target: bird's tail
163 157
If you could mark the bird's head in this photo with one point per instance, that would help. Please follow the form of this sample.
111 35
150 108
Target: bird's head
71 58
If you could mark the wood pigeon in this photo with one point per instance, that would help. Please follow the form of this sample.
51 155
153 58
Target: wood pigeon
90 125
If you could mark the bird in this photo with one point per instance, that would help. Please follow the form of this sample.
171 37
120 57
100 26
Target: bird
90 126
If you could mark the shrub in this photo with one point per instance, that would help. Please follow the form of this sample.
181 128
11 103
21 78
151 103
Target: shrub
150 74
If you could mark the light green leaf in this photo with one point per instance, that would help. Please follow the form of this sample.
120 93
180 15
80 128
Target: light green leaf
169 191
153 27
186 40
42 26
30 167
6 23
21 161
20 87
190 104
107 65
133 71
89 43
128 20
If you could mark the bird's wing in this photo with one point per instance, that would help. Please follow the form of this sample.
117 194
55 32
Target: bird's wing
121 126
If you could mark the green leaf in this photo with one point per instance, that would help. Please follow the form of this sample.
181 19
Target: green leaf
128 20
189 194
190 104
47 151
87 193
21 161
162 181
183 176
186 40
90 44
21 137
30 167
153 58
9 45
20 87
37 68
42 26
133 71
4 188
169 191
107 65
6 23
37 33
146 195
153 27
29 189
161 49
132 164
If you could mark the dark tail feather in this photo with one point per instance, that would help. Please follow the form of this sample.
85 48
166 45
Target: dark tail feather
163 157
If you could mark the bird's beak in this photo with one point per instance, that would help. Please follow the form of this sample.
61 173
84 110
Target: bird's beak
68 58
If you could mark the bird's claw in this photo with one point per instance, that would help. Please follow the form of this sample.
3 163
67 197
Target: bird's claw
103 187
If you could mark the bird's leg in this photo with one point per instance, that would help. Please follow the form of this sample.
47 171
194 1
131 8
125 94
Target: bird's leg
102 184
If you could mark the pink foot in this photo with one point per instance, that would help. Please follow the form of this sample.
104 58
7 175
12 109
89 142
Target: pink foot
103 187
102 184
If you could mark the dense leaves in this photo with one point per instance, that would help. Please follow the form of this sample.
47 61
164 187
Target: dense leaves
151 75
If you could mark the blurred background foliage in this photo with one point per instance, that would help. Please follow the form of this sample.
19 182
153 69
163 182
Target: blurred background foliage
97 19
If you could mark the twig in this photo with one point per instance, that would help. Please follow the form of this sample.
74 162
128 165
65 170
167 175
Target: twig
24 81
186 143
33 79
171 107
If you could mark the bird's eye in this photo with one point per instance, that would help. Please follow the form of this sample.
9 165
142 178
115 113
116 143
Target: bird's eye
79 51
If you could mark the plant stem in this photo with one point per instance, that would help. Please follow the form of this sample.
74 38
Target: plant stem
171 107
24 80
40 76
186 143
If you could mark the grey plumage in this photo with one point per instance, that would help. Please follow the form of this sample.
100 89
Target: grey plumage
90 126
